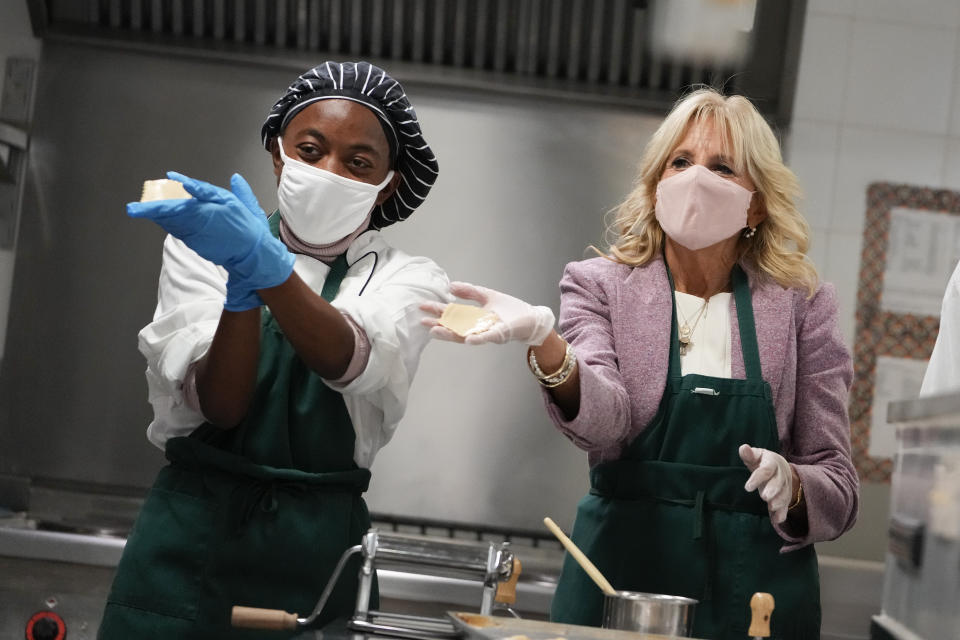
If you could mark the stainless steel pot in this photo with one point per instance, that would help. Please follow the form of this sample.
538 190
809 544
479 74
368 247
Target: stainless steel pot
649 613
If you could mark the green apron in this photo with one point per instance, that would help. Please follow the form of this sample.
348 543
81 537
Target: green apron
671 516
257 515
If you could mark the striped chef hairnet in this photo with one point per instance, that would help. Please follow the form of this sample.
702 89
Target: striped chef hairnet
371 86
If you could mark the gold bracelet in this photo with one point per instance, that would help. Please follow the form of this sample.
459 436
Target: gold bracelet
559 376
799 494
535 366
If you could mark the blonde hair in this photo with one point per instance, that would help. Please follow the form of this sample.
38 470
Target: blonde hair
778 249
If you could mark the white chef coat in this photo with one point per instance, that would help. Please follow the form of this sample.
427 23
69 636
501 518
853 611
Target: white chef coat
943 371
190 300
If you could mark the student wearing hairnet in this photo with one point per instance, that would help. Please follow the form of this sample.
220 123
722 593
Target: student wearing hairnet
279 361
701 366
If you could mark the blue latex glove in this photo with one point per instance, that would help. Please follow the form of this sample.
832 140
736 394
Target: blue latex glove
240 297
226 228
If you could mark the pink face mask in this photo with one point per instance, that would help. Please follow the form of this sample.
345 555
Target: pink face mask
697 208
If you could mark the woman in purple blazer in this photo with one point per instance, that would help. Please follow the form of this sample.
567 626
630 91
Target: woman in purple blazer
700 365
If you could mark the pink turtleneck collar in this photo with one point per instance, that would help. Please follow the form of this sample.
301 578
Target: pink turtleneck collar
326 253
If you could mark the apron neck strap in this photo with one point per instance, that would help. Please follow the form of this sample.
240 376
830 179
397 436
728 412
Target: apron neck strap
338 268
748 332
673 368
748 328
335 276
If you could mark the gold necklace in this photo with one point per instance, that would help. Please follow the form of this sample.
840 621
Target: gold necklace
686 331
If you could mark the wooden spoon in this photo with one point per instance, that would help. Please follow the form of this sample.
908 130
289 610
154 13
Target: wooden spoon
581 559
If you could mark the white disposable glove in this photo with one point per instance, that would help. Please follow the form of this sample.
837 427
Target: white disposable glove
771 477
518 320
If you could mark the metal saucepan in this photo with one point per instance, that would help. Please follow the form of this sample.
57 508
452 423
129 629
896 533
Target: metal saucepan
633 610
649 613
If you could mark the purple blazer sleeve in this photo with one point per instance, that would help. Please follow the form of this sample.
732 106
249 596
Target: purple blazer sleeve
817 441
604 417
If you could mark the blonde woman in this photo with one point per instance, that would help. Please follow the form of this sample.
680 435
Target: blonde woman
701 366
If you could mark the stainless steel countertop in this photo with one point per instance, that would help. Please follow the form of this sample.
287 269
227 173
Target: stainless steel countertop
944 408
534 590
337 630
26 542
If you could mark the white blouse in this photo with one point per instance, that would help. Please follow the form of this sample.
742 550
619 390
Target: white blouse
709 350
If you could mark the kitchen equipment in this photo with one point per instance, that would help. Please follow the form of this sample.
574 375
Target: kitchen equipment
922 572
493 564
633 610
478 627
581 559
649 613
761 608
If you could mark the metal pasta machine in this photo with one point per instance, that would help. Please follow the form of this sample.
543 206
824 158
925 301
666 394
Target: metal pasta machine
492 564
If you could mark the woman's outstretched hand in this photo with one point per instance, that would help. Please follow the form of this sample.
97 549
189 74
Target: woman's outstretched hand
515 320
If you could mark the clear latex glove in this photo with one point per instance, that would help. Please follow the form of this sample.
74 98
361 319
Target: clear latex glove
226 228
771 477
518 320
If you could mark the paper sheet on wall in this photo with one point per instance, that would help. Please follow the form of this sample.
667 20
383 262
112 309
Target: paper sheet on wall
895 379
923 249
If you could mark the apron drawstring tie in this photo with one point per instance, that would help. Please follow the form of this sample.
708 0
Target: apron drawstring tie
699 527
261 495
698 516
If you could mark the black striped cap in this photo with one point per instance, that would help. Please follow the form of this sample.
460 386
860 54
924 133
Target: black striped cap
371 86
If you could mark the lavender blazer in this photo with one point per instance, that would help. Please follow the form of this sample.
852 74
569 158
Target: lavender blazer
618 320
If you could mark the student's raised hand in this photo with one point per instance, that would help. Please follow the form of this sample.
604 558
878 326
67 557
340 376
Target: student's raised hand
227 228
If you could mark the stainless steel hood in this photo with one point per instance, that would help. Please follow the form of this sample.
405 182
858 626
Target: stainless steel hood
586 50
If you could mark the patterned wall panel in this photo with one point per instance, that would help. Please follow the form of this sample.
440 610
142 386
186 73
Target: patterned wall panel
883 333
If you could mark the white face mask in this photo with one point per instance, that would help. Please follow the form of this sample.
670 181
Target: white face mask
319 206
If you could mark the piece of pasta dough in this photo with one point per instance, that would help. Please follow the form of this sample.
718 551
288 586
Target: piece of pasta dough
163 190
467 319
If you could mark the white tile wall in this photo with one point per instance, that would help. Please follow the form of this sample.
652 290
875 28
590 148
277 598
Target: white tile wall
842 268
870 155
833 7
951 168
822 72
818 249
898 64
900 76
955 104
938 13
812 155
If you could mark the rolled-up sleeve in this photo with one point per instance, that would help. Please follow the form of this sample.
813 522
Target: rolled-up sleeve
190 299
819 441
390 316
604 416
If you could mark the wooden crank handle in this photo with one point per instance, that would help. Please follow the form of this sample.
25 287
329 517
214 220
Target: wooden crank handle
761 607
253 618
507 591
